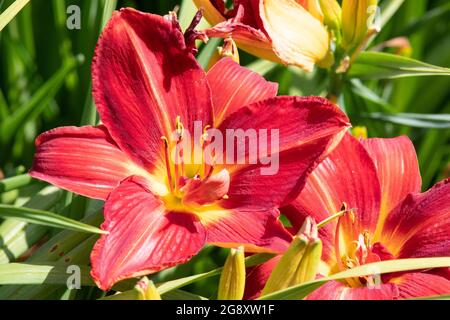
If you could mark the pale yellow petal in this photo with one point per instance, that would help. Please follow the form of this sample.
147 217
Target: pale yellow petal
297 37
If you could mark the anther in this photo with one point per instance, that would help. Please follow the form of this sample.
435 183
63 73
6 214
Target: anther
179 127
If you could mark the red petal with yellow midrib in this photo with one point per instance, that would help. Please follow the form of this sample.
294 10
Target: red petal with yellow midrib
143 78
83 160
143 237
420 225
307 128
233 87
347 175
398 171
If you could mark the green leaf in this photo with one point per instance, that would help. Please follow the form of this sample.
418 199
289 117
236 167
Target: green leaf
388 10
426 19
108 9
181 295
302 290
430 121
187 13
37 103
262 67
126 295
178 283
366 93
45 218
79 255
15 182
380 65
17 236
11 12
207 52
26 273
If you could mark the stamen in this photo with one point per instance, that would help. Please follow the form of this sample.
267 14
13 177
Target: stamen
345 212
326 221
367 240
179 161
166 155
203 143
179 128
177 167
337 249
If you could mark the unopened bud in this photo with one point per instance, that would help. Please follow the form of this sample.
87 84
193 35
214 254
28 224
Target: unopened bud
357 19
314 9
147 290
300 262
332 14
232 279
359 132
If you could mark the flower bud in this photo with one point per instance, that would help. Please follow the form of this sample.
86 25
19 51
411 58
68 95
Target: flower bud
357 20
359 132
300 262
313 8
232 279
146 290
332 14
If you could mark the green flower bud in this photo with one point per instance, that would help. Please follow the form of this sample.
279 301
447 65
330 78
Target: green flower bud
300 262
232 279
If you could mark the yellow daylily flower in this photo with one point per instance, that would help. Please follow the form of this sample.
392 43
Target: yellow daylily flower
287 31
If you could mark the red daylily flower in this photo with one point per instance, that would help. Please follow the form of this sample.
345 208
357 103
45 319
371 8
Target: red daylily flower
379 180
146 85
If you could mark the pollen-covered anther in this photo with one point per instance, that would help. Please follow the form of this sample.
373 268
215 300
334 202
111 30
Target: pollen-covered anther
179 128
367 240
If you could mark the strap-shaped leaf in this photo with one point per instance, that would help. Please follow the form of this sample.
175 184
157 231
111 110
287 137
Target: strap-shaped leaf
380 65
11 12
45 218
432 121
179 283
51 273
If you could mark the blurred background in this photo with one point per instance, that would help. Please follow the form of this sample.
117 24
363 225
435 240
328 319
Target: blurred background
45 83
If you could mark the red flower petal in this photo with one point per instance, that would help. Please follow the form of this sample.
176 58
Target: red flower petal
207 191
143 237
421 285
335 290
257 277
308 128
83 160
398 171
252 40
347 175
419 227
143 78
256 229
233 87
